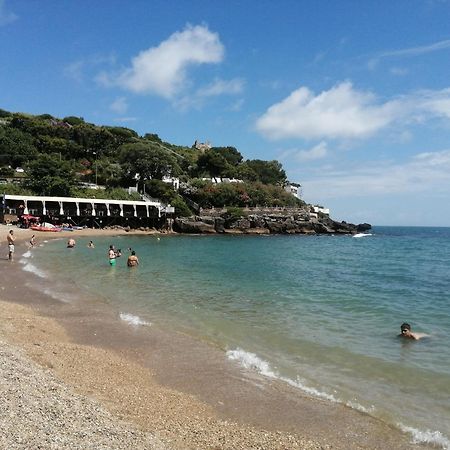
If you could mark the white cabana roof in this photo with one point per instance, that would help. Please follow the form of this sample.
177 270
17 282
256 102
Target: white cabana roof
83 200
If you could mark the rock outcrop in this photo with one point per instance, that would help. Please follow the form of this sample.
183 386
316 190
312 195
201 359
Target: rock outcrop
300 222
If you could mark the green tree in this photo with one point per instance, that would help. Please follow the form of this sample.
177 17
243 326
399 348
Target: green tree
16 147
269 172
214 164
231 154
147 161
47 175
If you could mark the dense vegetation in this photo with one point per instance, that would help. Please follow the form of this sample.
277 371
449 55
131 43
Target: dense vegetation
59 155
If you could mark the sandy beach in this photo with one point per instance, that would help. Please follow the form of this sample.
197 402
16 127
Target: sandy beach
72 380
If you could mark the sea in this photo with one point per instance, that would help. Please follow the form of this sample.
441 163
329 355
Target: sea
320 313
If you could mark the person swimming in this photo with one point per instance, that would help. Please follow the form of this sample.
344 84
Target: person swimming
406 332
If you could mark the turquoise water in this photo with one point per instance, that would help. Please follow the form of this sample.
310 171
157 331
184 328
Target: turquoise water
320 312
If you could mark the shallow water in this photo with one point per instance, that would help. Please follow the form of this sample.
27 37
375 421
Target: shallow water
320 312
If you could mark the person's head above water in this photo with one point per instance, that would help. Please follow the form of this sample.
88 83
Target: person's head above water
405 327
406 332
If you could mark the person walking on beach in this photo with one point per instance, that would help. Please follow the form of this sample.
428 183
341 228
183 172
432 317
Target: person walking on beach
406 332
112 255
11 238
133 260
32 241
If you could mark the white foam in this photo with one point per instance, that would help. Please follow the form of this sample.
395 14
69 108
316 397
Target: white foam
310 390
27 254
435 438
253 362
65 298
133 320
28 267
359 407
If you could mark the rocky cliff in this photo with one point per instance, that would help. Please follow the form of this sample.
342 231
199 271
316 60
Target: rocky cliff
265 222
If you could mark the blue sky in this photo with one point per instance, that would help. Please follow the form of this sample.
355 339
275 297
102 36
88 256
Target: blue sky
352 97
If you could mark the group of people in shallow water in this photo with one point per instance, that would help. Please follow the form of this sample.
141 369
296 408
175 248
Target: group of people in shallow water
113 253
133 261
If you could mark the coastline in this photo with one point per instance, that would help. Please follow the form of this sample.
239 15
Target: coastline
157 392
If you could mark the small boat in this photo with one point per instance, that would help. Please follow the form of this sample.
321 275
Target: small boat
71 228
360 235
46 227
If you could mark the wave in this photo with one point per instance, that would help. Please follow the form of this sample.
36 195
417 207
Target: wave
27 254
253 362
133 320
435 438
65 298
28 267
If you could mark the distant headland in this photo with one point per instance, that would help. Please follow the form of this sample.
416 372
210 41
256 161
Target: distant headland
79 173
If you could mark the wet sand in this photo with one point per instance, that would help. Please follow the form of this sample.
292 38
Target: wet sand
167 388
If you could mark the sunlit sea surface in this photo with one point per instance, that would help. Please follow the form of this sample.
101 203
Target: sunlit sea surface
321 313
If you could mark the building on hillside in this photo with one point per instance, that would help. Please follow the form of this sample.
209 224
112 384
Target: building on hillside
175 182
295 189
217 180
202 146
320 209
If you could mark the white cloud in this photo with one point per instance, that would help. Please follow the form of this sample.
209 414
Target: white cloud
426 172
237 105
317 152
216 88
398 71
162 70
6 17
346 113
76 70
119 105
341 112
409 52
436 102
125 119
221 87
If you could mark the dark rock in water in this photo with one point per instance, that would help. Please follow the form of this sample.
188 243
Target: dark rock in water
362 227
182 225
219 224
275 221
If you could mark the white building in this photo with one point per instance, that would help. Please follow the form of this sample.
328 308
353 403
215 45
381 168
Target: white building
295 189
321 209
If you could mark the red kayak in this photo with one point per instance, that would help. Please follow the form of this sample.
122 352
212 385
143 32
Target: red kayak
38 228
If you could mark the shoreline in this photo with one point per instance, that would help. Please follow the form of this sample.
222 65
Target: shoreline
159 392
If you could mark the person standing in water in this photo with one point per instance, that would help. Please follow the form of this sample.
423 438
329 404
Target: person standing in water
112 255
133 260
32 241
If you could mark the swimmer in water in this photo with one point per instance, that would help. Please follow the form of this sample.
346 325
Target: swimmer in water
406 332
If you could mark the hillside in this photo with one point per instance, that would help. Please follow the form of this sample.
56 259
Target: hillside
68 156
